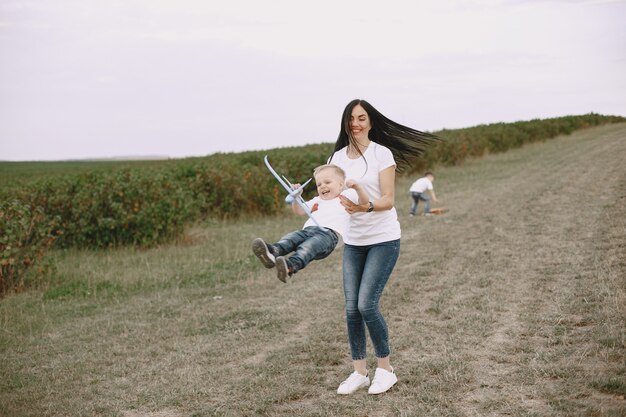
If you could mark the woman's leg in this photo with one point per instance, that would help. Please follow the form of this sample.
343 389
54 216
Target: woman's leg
354 258
366 270
361 266
380 261
353 262
384 363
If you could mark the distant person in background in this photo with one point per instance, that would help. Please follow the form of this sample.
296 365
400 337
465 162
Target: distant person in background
370 149
313 241
423 190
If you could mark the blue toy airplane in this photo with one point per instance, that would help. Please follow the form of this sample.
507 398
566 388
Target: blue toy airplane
293 194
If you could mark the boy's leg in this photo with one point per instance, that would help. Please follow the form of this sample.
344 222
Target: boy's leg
289 242
267 253
426 200
416 198
320 243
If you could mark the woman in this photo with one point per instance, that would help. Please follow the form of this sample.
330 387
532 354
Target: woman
370 148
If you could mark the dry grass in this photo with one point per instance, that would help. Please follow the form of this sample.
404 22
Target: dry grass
513 303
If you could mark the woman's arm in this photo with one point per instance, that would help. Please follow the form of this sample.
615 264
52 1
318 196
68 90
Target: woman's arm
387 178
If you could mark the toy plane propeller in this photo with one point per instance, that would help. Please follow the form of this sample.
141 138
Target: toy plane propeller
293 194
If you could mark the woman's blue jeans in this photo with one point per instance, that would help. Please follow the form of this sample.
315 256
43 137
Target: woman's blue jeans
366 270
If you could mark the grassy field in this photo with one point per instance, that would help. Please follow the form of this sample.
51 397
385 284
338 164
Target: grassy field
513 303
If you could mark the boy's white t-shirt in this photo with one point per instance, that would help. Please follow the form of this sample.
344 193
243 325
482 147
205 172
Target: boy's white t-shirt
421 185
331 214
377 226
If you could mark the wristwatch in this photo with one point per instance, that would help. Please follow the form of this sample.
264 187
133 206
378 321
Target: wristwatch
371 207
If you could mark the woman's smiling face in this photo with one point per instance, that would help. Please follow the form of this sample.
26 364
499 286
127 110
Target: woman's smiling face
360 123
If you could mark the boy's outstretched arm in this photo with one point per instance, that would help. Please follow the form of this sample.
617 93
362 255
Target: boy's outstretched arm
363 197
295 207
432 194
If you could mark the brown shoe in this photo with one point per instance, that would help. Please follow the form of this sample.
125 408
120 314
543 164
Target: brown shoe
260 249
283 270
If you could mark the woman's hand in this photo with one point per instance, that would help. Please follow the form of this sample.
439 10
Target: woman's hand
351 207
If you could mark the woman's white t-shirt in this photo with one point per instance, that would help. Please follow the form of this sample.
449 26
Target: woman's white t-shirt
377 226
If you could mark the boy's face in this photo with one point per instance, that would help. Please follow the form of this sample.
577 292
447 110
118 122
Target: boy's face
329 184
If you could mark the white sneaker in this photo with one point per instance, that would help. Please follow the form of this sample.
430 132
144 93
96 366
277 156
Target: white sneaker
383 380
353 383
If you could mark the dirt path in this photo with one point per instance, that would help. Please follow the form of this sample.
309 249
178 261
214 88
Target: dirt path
523 253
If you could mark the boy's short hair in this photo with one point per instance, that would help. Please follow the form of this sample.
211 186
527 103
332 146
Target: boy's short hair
340 172
427 173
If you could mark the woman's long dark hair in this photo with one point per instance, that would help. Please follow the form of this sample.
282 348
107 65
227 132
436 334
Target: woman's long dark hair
406 144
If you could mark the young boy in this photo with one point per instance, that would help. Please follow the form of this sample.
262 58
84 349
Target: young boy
313 242
423 189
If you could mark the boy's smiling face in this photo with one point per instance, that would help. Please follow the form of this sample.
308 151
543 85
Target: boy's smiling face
329 184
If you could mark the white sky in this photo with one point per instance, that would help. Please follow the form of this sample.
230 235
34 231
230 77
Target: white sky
103 78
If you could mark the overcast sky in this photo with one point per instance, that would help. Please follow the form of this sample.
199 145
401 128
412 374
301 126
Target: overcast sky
104 78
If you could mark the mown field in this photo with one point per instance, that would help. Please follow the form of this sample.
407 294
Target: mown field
513 303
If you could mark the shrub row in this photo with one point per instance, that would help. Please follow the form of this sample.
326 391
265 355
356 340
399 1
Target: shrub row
27 233
152 203
461 144
145 207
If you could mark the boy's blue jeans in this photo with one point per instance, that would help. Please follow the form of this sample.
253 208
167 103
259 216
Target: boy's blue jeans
416 199
366 270
308 244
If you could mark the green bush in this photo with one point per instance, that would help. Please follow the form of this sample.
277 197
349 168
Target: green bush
127 207
459 144
27 233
